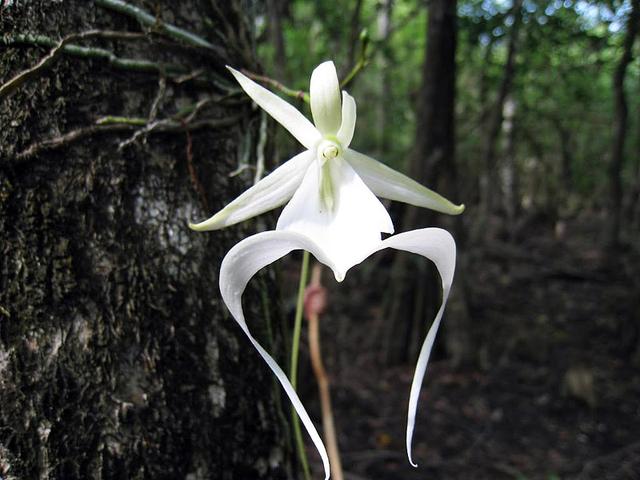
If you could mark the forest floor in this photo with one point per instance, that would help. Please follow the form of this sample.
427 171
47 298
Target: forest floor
555 395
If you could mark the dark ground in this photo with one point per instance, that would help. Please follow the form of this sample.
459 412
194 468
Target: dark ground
555 394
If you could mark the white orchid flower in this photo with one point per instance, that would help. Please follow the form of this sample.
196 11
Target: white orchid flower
332 212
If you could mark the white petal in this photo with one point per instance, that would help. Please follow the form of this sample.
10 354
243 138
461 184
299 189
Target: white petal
270 192
286 114
240 264
439 247
348 126
324 95
337 210
388 183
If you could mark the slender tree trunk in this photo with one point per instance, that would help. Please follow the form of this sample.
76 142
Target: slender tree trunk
488 191
620 126
385 8
483 90
634 201
117 357
413 302
509 171
275 12
565 138
354 35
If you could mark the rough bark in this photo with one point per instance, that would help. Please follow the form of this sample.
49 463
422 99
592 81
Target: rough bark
117 357
620 121
416 294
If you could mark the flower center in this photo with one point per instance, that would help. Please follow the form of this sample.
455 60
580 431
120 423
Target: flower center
328 150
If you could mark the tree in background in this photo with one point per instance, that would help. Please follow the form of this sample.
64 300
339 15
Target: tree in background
621 110
490 184
412 302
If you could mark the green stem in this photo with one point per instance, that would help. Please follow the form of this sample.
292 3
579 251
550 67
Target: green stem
302 95
151 21
293 374
138 65
119 120
362 62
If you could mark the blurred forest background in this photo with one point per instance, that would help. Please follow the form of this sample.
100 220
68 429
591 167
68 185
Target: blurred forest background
117 356
527 111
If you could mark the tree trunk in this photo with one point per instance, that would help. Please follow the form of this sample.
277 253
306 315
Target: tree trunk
385 8
354 36
117 356
633 215
488 191
620 127
414 301
275 10
509 170
565 137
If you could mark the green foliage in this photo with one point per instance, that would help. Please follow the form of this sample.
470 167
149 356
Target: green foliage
567 51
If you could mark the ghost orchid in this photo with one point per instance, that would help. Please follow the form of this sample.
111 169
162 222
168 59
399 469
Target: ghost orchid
332 212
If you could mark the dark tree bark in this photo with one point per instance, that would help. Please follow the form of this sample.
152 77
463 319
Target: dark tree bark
275 9
633 215
414 302
117 356
620 126
565 137
354 34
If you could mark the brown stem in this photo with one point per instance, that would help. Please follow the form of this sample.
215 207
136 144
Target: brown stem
322 378
277 85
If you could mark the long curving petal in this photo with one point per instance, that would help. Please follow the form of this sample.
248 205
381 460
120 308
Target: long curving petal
272 191
238 266
336 209
324 96
388 183
348 125
438 246
285 113
257 251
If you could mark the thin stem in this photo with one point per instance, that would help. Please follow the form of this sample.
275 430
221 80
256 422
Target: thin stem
362 62
322 378
300 94
293 373
58 47
133 64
